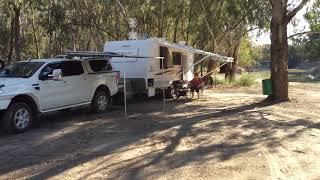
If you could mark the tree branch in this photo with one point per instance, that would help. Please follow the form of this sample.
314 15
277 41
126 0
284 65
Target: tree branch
291 14
205 18
303 33
124 12
94 26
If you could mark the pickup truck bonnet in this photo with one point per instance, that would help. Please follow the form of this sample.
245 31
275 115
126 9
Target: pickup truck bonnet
12 81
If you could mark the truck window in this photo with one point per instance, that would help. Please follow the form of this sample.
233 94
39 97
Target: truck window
72 68
176 58
48 70
100 65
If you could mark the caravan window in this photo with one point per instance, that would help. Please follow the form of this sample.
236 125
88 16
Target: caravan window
176 56
164 52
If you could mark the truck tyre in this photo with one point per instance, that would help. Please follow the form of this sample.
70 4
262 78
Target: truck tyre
101 102
17 118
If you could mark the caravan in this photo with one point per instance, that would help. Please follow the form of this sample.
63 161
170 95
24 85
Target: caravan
157 64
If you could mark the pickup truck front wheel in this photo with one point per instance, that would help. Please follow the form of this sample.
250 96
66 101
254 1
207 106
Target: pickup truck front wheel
101 102
17 118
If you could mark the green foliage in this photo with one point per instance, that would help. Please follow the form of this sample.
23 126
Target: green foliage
249 54
50 27
311 46
313 16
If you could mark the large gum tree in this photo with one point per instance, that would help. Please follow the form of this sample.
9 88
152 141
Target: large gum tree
281 16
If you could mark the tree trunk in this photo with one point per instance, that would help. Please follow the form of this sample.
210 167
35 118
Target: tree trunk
279 53
211 63
50 28
189 21
160 23
35 38
11 43
175 30
17 35
232 67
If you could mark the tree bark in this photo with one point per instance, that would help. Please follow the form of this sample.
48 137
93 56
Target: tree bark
232 67
11 43
17 35
189 21
175 29
50 28
279 52
160 22
35 37
211 64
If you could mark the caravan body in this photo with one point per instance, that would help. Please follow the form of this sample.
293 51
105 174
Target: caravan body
148 74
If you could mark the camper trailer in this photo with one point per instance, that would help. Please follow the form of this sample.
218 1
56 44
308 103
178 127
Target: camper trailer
143 69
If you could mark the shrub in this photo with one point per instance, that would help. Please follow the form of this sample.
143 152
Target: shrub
245 80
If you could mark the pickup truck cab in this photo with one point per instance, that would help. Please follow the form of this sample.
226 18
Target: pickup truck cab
40 86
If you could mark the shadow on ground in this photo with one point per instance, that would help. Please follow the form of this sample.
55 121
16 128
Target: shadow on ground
64 140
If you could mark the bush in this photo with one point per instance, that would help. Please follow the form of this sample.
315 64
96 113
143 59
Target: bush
241 80
245 80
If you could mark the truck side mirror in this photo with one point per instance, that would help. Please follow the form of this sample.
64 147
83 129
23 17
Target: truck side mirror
57 75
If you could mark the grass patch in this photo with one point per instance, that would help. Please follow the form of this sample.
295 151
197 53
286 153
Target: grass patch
261 74
246 80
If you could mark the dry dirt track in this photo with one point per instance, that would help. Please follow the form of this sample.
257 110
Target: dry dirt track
226 135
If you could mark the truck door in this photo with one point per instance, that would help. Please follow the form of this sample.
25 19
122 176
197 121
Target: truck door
52 93
74 76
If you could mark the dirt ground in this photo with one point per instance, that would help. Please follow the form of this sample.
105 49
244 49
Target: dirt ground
227 134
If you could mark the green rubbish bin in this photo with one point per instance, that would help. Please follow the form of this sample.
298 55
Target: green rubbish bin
267 86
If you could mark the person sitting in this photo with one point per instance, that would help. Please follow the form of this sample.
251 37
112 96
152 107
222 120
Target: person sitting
195 85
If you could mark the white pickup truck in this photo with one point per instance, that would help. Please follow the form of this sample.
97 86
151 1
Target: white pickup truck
39 86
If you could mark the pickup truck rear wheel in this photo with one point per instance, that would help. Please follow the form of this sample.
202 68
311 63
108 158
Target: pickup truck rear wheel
18 118
101 102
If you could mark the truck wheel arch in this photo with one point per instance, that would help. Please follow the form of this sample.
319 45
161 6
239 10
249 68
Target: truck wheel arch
28 100
102 88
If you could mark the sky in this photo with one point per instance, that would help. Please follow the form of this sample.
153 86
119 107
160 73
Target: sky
301 26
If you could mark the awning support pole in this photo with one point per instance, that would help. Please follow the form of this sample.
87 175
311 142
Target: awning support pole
163 88
124 92
125 95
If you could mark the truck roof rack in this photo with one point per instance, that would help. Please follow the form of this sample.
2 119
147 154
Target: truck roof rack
89 54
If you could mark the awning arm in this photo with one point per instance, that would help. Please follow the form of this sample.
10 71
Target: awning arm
186 69
214 69
227 60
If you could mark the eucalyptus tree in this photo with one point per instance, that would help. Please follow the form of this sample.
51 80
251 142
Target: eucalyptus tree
12 11
227 21
281 16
